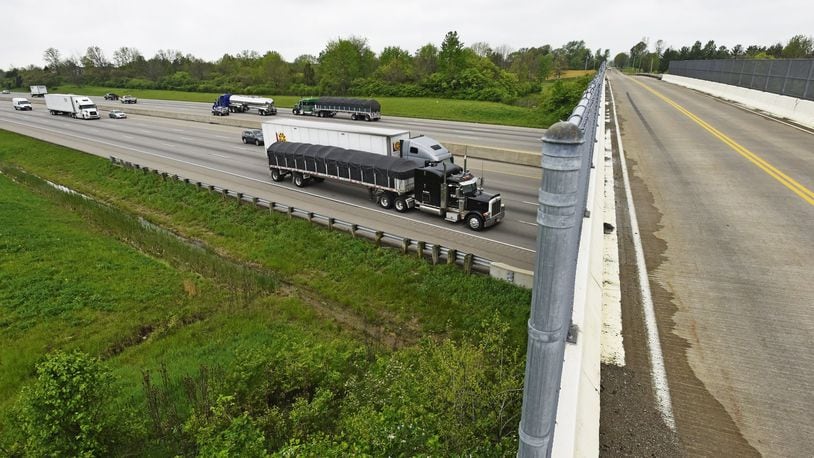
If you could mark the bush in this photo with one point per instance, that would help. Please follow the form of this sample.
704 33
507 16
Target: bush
66 411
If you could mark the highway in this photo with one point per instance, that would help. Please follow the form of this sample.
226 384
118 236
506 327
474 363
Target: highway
214 154
725 208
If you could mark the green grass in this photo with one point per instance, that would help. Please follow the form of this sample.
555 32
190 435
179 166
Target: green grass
76 274
427 108
375 288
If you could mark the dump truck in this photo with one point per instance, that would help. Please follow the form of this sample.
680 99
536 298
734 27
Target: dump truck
384 141
76 106
328 107
392 182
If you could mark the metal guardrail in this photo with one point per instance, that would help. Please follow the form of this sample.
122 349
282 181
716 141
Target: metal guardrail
433 252
790 77
567 159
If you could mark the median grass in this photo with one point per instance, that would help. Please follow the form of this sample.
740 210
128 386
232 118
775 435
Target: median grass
290 348
410 107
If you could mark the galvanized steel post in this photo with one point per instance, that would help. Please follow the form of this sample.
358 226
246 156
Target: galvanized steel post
553 294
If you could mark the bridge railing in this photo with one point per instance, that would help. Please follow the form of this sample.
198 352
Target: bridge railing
562 368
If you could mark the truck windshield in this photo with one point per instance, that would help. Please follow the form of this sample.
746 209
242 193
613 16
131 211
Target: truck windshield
87 107
469 187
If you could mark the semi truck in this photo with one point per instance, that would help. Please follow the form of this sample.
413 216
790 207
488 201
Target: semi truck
76 106
384 141
393 182
243 103
38 91
328 107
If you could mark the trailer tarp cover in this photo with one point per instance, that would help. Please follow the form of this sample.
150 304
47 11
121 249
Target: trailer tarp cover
358 104
340 162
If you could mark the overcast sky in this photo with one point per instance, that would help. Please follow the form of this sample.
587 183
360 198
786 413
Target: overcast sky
209 29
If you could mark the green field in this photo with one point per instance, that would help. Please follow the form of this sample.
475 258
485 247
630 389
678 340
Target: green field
314 343
415 107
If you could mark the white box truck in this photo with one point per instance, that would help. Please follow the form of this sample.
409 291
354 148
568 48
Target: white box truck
38 91
76 106
388 142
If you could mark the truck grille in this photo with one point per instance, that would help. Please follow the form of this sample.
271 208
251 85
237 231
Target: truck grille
494 206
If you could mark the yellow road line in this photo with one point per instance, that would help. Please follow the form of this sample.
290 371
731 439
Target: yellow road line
797 188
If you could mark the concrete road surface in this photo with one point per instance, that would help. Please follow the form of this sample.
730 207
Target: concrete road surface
726 211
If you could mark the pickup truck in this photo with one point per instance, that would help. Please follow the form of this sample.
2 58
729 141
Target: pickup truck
129 99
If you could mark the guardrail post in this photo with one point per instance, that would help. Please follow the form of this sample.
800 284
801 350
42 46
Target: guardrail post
211 188
290 211
420 249
468 259
225 193
553 289
146 170
452 255
405 245
254 202
310 217
198 185
378 240
331 223
239 198
436 254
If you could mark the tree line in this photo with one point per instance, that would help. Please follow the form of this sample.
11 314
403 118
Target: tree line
346 66
658 59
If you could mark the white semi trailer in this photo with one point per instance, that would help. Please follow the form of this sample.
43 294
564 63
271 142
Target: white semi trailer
76 106
38 91
388 142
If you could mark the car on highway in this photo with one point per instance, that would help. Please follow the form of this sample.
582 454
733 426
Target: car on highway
111 96
220 111
253 136
129 99
5 91
117 114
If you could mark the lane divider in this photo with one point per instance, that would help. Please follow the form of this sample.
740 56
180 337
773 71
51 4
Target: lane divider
797 188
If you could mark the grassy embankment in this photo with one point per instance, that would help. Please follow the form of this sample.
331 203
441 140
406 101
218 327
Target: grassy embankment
419 107
77 276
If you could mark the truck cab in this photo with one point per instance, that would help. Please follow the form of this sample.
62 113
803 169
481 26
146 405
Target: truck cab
305 106
455 195
85 108
426 151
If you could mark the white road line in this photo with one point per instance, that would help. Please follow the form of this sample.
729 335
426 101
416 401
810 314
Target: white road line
526 222
128 136
222 136
659 374
186 138
179 130
267 183
530 203
220 155
168 144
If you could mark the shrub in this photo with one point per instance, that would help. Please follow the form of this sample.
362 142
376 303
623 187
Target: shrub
66 411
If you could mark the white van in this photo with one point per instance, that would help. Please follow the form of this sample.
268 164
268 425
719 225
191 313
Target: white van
21 103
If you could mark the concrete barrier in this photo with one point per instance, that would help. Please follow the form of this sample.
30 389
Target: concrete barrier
791 108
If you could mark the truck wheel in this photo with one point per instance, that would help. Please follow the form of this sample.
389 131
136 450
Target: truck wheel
299 180
474 221
367 118
276 175
257 142
400 204
244 140
386 200
353 116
